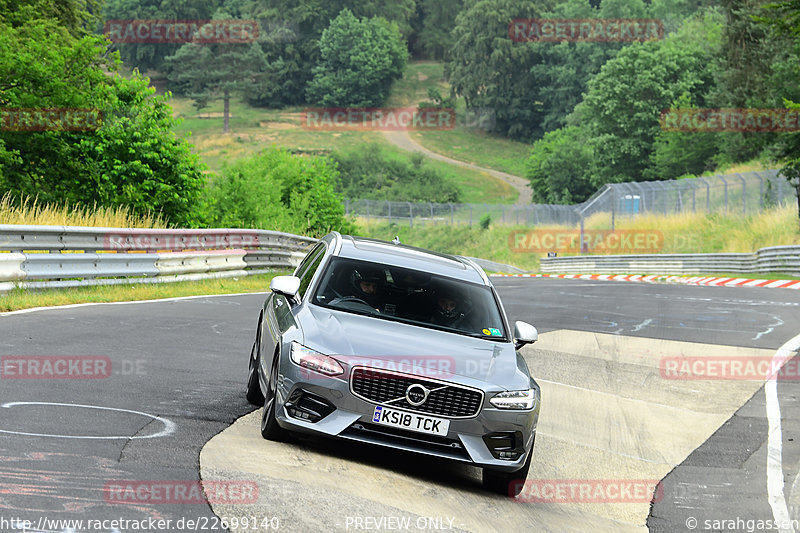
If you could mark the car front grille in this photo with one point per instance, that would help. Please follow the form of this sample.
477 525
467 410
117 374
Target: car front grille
389 388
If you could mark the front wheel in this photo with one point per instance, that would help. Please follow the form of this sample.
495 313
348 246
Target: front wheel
254 395
507 483
270 429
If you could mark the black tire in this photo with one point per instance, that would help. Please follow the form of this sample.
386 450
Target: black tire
270 429
507 483
254 395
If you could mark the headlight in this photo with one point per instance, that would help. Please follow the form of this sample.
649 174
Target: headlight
516 399
313 360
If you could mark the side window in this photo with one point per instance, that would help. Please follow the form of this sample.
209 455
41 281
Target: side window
305 277
308 259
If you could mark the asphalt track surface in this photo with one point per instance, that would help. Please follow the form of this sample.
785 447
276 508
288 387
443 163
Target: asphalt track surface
176 380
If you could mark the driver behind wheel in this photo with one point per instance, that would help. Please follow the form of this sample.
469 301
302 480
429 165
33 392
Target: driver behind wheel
449 309
368 285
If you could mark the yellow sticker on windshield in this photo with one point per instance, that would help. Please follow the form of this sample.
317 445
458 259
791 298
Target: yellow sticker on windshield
487 332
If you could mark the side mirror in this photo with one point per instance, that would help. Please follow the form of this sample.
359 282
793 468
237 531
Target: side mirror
524 334
285 285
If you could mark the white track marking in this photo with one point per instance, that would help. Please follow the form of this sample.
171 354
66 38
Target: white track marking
175 299
777 499
169 425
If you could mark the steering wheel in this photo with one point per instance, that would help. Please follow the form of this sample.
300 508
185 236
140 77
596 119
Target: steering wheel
353 299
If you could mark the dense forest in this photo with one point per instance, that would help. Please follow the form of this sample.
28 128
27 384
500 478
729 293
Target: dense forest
591 111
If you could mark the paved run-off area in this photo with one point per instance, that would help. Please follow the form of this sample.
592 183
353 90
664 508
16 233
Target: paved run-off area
607 414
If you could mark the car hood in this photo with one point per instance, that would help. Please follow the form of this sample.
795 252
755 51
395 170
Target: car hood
355 339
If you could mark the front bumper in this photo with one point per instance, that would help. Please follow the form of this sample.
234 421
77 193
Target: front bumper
346 416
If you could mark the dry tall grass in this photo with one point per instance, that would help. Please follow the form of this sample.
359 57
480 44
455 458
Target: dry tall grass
715 232
31 211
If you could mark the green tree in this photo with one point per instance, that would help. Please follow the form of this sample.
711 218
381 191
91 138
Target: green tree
678 153
371 173
360 59
784 18
558 167
562 70
491 71
625 100
278 191
435 38
152 55
292 45
210 72
132 159
757 68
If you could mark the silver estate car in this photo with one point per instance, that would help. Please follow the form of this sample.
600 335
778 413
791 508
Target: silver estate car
399 347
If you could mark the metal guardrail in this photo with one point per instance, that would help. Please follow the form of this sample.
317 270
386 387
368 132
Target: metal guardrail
771 260
68 256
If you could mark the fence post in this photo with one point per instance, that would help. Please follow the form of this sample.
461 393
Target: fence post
580 242
744 193
470 215
760 189
720 176
410 215
708 195
452 214
613 207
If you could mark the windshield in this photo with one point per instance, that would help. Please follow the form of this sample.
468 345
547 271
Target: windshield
411 296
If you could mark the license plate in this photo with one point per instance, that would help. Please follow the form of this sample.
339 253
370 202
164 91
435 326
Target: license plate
410 421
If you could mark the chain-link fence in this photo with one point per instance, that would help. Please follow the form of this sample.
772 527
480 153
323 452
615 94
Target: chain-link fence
745 193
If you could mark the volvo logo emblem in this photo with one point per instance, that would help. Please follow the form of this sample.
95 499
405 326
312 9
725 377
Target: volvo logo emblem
416 394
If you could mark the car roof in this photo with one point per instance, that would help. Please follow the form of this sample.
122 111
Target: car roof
401 255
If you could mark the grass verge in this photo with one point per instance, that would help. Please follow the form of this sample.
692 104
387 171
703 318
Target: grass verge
477 148
26 299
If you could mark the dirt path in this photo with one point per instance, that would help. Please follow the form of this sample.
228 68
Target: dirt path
402 140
